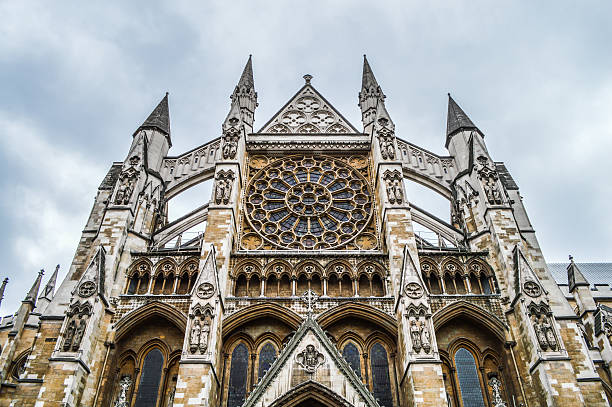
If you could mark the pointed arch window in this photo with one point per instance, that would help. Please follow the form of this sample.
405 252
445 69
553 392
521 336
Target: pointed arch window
148 389
469 383
351 355
381 382
238 376
266 358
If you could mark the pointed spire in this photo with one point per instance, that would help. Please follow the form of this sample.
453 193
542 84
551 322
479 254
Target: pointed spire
49 289
159 118
33 293
456 119
2 288
575 278
368 80
246 79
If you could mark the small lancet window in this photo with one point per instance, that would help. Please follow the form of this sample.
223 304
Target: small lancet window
148 390
351 355
266 358
469 383
238 376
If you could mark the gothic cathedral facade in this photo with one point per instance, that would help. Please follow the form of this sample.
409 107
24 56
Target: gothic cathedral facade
308 286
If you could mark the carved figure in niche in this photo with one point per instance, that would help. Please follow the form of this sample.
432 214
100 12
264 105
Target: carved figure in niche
497 400
78 336
204 337
394 187
125 188
124 387
415 335
310 358
385 139
549 334
491 190
425 337
540 333
223 188
230 142
69 336
194 337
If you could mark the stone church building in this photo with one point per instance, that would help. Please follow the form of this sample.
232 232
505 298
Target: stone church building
308 286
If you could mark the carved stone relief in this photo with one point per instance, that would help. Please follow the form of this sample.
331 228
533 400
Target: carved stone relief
223 187
497 400
394 187
205 290
310 359
386 138
414 290
199 334
87 289
541 320
78 316
125 187
420 334
532 288
490 181
230 140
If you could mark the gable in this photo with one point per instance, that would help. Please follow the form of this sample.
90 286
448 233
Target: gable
310 357
308 112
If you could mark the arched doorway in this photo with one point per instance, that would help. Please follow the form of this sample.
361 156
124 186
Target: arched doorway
311 394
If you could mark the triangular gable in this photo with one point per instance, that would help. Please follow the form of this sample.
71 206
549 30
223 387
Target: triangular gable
329 369
411 282
93 280
525 279
308 112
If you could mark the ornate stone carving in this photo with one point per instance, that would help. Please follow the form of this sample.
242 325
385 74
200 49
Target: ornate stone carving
125 187
415 336
386 138
532 289
87 289
394 187
205 290
124 388
490 181
496 399
310 359
541 320
199 333
223 187
230 140
310 297
78 315
425 337
194 336
414 290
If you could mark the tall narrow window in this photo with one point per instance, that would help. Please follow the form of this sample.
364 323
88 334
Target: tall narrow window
469 383
381 383
148 388
266 358
351 355
238 376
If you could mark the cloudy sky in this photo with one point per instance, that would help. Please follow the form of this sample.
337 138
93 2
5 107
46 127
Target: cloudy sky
77 79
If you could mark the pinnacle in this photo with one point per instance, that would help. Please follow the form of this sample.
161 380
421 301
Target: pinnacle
246 79
574 275
368 80
50 287
33 293
159 117
456 119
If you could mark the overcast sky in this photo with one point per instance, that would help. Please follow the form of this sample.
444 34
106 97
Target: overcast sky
78 78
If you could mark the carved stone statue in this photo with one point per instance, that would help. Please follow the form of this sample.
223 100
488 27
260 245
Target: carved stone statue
230 144
415 335
497 400
194 336
124 189
223 188
549 334
394 187
69 336
78 336
540 333
204 337
124 387
387 149
399 191
425 337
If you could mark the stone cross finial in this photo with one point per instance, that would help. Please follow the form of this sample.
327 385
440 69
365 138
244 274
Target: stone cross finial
307 78
310 297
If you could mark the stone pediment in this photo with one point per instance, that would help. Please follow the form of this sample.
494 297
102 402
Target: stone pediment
310 357
308 112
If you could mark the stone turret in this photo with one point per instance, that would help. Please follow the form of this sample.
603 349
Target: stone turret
370 96
245 96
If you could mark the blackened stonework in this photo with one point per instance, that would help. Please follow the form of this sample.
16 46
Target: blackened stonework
304 279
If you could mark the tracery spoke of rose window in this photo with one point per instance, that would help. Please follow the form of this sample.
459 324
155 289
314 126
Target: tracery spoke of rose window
309 203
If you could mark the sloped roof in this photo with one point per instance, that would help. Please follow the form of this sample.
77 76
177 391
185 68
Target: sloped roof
595 273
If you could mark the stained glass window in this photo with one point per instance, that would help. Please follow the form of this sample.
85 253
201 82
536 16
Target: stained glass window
148 388
469 384
313 197
351 355
266 358
238 376
381 383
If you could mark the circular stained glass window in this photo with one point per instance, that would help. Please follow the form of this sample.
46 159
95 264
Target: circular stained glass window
308 203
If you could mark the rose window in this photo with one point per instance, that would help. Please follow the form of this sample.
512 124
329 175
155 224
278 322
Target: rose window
308 203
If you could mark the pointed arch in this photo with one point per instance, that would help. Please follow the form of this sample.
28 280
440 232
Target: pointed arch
263 310
471 311
361 311
310 391
152 309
